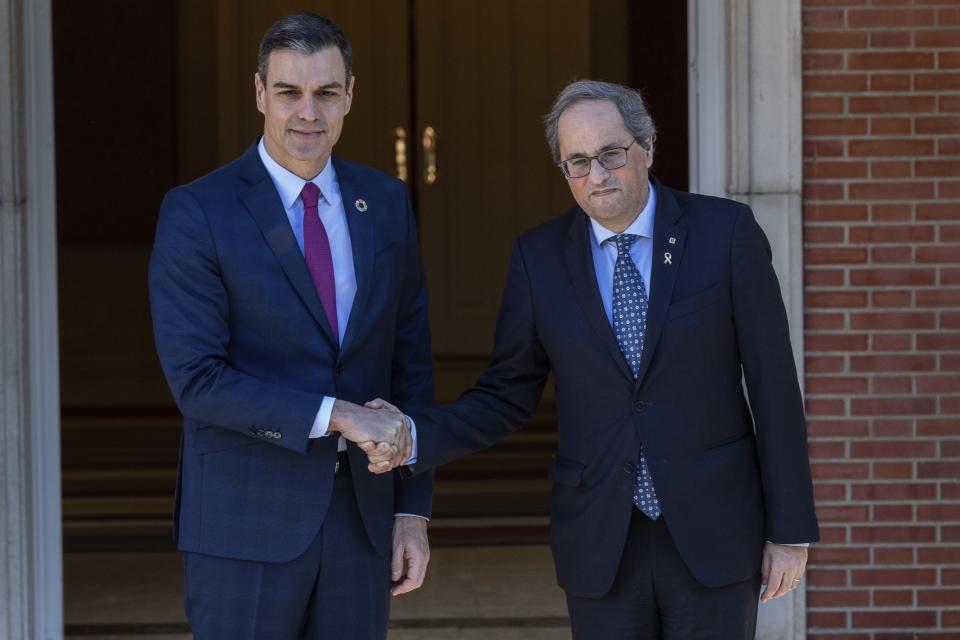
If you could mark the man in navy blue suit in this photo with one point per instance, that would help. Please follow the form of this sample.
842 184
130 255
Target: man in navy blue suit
283 286
673 498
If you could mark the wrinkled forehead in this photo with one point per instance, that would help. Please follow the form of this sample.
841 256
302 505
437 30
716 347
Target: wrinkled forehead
589 127
292 66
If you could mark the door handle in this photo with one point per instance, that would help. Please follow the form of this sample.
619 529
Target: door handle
400 152
430 155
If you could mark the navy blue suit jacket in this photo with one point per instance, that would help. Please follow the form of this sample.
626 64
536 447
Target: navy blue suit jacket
249 355
727 480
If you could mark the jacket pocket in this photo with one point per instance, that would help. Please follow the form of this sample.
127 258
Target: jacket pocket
695 302
567 471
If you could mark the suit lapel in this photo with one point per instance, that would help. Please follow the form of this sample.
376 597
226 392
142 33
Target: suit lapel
668 241
362 242
261 200
580 264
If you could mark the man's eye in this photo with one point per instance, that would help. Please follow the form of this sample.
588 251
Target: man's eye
577 163
289 93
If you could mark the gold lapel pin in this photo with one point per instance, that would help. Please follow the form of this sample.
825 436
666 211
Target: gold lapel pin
667 257
672 240
361 205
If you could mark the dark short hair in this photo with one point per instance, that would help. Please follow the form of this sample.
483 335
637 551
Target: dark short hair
306 33
628 101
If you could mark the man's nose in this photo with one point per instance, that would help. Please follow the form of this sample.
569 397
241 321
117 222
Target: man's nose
309 111
597 173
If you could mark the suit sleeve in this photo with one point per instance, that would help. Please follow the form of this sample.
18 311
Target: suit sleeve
191 323
412 374
763 340
506 394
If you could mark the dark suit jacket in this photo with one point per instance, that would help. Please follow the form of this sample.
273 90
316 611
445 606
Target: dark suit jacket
727 481
248 354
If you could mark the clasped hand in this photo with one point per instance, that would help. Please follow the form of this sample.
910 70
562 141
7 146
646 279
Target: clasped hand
379 428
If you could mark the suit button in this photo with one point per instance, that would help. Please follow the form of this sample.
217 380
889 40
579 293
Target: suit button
628 467
639 406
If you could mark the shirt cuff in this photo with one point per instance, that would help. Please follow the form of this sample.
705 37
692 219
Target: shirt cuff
410 515
413 436
321 424
791 544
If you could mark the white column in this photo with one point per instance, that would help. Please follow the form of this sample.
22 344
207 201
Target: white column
746 143
31 600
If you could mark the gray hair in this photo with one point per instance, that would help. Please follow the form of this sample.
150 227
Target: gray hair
628 101
306 33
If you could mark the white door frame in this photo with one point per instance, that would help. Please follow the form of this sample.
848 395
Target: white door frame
745 120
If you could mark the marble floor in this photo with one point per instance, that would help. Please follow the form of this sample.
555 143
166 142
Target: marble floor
471 593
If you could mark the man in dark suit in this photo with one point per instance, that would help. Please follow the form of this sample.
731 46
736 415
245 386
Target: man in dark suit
284 285
673 499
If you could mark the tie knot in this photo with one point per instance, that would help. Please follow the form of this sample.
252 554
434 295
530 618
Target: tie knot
625 241
310 195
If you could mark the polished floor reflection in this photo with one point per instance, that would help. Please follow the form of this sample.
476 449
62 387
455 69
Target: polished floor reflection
472 593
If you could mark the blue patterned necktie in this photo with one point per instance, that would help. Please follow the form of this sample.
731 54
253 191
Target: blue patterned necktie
629 325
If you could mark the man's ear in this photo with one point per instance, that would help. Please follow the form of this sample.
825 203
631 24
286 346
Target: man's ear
261 91
349 93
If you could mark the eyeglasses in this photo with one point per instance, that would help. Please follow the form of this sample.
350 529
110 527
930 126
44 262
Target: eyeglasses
609 159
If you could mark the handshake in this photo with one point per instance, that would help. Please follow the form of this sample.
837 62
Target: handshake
380 430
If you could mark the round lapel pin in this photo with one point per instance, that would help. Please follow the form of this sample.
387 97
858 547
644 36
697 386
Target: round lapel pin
361 205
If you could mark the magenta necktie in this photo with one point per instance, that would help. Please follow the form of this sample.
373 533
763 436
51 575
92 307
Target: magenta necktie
316 250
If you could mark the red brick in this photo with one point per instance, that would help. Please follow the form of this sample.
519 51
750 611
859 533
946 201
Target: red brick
883 577
945 38
949 189
938 384
898 491
891 169
906 60
843 82
949 404
891 428
823 364
824 234
938 168
891 126
948 59
890 191
948 320
948 124
894 449
939 470
950 491
892 513
834 126
822 18
897 234
836 342
834 170
822 61
950 534
824 407
939 427
819 428
941 512
885 277
823 277
948 104
890 39
939 298
892 406
948 146
835 299
838 212
815 321
887 299
938 597
891 363
893 598
890 82
939 254
859 18
892 470
891 212
835 255
939 211
891 255
826 577
891 320
822 104
826 493
843 598
837 385
892 342
949 233
839 470
822 148
815 191
891 384
892 147
826 620
943 554
830 3
895 619
843 513
937 81
893 555
818 40
949 276
949 618
826 449
948 16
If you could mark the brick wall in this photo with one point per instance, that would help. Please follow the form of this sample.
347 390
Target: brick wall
882 295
